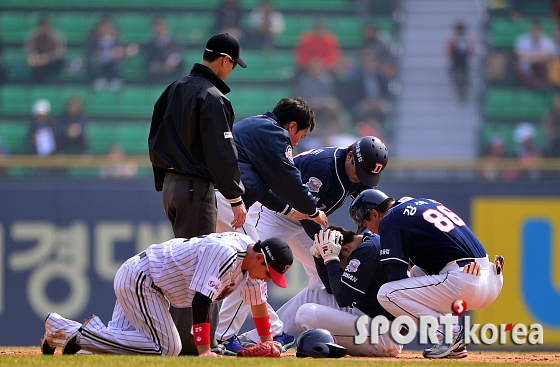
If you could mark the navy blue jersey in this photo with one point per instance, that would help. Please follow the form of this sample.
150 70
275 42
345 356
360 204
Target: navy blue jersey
426 233
357 285
323 172
265 159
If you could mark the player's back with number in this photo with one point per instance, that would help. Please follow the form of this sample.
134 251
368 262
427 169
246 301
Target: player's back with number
428 233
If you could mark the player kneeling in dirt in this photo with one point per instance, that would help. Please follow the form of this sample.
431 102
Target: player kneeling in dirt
182 272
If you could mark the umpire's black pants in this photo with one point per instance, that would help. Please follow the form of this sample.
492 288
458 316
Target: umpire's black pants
190 204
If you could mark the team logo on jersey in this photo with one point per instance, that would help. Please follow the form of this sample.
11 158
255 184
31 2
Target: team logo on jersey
350 277
264 289
213 284
352 265
289 154
225 292
314 184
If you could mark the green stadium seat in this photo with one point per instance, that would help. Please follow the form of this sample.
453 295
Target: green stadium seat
191 28
532 105
134 68
15 61
76 26
14 100
134 27
134 102
506 131
295 26
102 103
15 136
248 101
504 31
348 30
499 103
302 5
191 4
133 138
22 172
83 172
264 66
101 136
17 26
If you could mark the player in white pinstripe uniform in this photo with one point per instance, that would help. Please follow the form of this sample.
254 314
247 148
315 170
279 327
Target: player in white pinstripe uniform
183 273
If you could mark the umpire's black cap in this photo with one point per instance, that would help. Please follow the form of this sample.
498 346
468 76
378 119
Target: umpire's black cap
225 44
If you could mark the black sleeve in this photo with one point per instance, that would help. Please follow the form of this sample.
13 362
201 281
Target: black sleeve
323 273
200 308
220 152
396 271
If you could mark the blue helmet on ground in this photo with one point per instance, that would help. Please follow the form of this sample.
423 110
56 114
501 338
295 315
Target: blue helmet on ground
318 343
363 203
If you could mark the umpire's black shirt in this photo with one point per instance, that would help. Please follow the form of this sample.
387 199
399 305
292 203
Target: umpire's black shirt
191 132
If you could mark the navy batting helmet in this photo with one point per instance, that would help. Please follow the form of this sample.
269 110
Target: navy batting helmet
363 203
370 158
318 343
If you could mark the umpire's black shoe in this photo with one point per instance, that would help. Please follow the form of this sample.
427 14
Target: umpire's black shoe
72 345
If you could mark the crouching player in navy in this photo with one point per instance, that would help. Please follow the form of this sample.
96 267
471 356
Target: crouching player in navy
348 264
181 272
448 263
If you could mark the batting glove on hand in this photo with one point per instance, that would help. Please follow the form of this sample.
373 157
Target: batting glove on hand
327 243
271 349
472 268
499 262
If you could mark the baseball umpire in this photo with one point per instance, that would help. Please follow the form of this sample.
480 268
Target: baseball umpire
181 272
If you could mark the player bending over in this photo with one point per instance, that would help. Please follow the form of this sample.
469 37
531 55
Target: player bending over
448 262
181 272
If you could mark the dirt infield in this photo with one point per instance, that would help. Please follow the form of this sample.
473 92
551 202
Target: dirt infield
406 356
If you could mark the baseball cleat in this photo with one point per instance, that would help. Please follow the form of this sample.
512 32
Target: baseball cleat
46 349
443 350
286 341
232 345
72 345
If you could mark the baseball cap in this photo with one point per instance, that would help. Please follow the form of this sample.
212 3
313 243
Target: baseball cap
41 107
370 158
278 258
225 44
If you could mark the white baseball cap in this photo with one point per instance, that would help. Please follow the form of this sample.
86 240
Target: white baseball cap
41 107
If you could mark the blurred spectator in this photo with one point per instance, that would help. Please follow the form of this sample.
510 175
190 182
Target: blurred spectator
118 168
164 59
228 19
551 126
493 166
72 137
45 50
527 150
375 42
3 154
534 51
265 23
372 126
318 43
554 65
458 48
316 84
105 54
366 93
42 137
